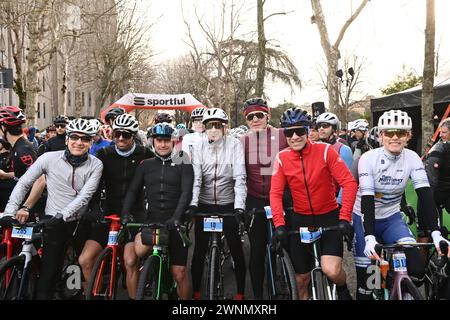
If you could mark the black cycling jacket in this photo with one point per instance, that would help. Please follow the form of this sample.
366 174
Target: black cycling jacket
168 187
56 143
117 175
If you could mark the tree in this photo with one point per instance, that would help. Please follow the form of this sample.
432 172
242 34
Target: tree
428 76
405 80
332 53
277 112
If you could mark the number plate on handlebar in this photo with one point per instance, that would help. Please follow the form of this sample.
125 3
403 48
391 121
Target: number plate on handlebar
268 211
22 233
399 261
112 238
307 236
213 224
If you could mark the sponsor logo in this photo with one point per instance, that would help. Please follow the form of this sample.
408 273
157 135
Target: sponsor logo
388 180
141 101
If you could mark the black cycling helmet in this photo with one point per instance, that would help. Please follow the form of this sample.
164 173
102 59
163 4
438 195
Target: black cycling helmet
163 117
255 104
295 117
61 119
113 113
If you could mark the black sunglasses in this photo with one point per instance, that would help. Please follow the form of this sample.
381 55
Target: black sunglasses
60 125
324 125
395 132
258 115
217 125
300 131
125 134
75 137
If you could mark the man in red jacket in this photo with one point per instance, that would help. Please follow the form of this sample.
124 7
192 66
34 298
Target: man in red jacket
309 169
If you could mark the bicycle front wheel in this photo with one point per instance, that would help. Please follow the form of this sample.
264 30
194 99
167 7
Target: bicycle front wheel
281 274
9 290
148 285
318 285
102 284
409 291
213 274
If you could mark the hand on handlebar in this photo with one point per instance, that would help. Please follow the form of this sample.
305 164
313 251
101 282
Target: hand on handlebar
280 238
369 249
437 238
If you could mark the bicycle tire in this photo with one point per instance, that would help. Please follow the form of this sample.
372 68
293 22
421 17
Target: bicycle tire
148 280
212 274
318 284
10 291
105 272
409 290
283 276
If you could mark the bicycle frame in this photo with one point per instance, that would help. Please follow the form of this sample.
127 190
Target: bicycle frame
8 242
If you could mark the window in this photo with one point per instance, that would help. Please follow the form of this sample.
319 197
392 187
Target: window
39 110
43 107
43 83
82 99
69 100
90 99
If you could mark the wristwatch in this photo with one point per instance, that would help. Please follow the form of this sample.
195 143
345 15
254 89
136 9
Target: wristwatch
26 208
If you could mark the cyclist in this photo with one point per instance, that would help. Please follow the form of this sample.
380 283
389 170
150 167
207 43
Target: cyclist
314 131
308 169
261 144
168 180
119 165
192 139
98 142
72 178
112 114
383 176
58 142
219 186
328 124
360 127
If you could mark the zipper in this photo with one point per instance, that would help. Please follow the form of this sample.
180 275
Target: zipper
73 181
215 179
306 184
124 187
161 179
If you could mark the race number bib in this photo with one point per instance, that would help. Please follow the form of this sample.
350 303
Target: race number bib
112 238
213 224
307 236
268 211
22 233
399 262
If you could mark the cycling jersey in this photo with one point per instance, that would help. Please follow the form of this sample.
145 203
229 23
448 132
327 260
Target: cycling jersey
438 166
385 176
22 156
260 148
56 143
69 188
309 174
96 146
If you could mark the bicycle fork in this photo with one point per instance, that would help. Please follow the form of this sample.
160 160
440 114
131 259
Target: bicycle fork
29 251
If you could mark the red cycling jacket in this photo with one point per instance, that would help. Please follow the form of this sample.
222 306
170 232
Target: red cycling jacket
309 174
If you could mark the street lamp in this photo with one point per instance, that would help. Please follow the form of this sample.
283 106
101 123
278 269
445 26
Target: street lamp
349 77
2 51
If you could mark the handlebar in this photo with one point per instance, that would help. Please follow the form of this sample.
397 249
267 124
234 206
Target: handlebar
214 214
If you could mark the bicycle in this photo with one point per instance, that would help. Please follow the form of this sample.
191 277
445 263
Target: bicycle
105 273
155 280
436 275
395 283
24 267
280 273
8 245
321 287
217 255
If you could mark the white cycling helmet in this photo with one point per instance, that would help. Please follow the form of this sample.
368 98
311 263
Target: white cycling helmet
126 122
82 126
328 117
215 114
96 124
359 124
394 119
198 112
237 132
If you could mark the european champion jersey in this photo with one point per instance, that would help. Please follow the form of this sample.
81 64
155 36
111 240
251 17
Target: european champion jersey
385 176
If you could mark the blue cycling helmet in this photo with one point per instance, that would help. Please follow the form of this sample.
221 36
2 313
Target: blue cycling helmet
295 117
162 129
181 126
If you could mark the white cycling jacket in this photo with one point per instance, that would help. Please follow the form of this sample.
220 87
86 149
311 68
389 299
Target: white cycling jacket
219 173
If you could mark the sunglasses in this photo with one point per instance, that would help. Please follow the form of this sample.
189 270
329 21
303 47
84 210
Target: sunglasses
395 132
300 131
125 134
84 139
258 115
60 125
217 125
324 125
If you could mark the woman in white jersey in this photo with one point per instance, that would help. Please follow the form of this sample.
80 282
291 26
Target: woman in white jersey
383 176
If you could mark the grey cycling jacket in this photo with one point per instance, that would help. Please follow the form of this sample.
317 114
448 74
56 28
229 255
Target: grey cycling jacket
219 173
69 189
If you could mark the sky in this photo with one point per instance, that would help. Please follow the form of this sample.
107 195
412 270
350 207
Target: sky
386 35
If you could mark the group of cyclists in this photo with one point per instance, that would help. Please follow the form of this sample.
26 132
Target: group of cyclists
308 175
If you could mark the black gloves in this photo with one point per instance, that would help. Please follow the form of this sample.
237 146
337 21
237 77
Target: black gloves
172 224
126 218
190 213
240 218
280 238
94 214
